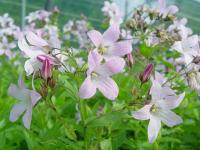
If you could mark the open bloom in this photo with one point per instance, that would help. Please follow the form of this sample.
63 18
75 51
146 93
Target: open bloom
98 76
26 101
189 48
39 53
164 11
180 27
163 99
107 43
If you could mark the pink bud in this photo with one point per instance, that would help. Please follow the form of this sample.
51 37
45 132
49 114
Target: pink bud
196 60
130 59
145 76
47 65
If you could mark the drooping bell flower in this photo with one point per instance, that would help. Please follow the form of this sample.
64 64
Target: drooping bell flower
145 76
158 110
27 99
47 65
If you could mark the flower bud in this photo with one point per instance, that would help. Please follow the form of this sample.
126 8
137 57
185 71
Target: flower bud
145 76
196 60
130 59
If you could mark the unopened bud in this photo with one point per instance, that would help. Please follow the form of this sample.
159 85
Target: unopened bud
196 60
130 59
145 76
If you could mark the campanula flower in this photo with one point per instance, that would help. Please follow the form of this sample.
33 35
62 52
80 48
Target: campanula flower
158 110
98 76
107 44
27 99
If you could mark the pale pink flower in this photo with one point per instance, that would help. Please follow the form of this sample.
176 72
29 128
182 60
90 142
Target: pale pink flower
27 99
98 76
107 43
164 11
163 99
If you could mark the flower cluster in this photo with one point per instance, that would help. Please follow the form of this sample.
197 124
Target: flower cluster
152 37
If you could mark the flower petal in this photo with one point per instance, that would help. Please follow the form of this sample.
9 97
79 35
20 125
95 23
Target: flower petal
94 59
18 93
112 66
35 40
35 97
108 87
30 51
120 48
143 113
172 102
16 111
27 118
169 118
95 37
153 128
87 89
111 35
32 65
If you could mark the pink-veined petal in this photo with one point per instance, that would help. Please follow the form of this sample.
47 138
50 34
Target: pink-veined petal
111 35
35 40
112 66
143 113
27 118
108 87
153 128
87 89
16 111
95 37
120 48
94 59
169 118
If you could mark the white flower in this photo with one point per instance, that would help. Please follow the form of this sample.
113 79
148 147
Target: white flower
163 99
111 10
189 48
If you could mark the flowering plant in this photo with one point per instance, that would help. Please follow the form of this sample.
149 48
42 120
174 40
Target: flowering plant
91 92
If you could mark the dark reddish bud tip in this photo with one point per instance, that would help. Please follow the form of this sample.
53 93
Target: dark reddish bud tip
145 76
196 60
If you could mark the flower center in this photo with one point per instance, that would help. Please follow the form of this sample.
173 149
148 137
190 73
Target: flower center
153 108
102 49
94 74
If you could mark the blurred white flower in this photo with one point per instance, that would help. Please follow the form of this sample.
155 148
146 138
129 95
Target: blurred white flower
111 10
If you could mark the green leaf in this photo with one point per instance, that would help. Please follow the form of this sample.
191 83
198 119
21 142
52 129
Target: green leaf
106 145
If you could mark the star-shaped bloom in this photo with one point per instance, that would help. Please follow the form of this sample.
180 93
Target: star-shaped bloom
163 99
27 99
98 76
107 43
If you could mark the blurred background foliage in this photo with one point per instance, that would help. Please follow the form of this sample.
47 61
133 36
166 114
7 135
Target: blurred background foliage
73 9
